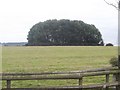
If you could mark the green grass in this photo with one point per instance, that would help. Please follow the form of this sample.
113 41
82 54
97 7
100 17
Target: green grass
54 58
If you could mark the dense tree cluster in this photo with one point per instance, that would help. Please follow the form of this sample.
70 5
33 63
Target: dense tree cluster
64 32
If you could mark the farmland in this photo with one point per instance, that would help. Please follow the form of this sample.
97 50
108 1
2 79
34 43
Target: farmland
54 58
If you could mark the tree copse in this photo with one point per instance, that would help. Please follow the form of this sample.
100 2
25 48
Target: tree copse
64 32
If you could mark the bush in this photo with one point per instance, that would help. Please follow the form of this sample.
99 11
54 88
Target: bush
114 61
109 44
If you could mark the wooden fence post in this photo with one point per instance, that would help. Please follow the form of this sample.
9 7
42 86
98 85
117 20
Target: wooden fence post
8 83
107 80
80 82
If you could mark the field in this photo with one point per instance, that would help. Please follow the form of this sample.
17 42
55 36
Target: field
54 58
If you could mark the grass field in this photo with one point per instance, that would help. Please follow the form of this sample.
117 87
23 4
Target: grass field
54 58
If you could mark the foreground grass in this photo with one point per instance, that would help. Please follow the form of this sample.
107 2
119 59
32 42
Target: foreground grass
51 58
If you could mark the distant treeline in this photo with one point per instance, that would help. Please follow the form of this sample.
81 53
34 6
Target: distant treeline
14 44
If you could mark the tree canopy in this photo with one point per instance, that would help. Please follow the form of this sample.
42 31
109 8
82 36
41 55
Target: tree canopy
64 32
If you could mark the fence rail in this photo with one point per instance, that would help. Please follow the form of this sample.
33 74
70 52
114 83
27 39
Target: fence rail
78 75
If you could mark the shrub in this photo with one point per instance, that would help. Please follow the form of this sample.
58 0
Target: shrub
109 44
114 61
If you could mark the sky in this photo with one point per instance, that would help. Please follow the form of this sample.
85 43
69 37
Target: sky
18 16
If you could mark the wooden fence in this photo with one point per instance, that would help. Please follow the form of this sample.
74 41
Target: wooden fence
78 75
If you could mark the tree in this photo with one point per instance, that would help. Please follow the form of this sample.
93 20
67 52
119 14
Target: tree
64 32
117 5
118 61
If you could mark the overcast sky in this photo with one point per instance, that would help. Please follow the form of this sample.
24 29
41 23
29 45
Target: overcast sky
18 16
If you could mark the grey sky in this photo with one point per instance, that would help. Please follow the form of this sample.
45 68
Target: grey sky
18 16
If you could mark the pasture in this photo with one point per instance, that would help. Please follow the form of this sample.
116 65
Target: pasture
55 58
